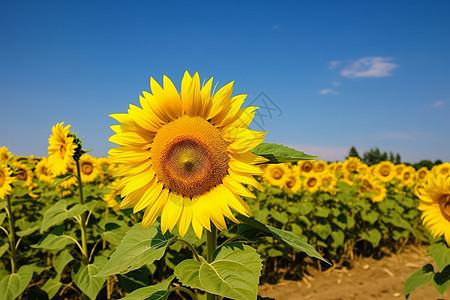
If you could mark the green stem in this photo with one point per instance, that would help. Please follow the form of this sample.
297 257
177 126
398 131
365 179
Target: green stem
84 252
211 243
183 289
194 252
12 236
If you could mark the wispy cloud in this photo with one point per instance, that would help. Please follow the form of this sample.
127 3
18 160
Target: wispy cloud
336 83
333 64
328 91
438 104
374 66
275 27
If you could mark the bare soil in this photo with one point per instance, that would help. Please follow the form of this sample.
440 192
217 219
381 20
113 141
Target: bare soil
368 279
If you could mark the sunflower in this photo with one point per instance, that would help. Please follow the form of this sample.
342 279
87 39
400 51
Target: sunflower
442 169
5 180
328 181
5 155
23 173
276 174
185 157
351 164
421 174
320 166
407 176
89 168
110 198
399 170
311 182
305 166
43 171
435 205
292 182
379 191
72 181
385 171
61 149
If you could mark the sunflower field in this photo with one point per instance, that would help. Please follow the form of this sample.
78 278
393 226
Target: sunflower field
192 204
342 209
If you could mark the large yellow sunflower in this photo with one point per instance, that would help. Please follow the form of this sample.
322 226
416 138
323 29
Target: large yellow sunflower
5 155
5 180
61 149
435 205
185 157
385 171
351 164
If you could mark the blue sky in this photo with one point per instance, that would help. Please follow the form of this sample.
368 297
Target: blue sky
333 74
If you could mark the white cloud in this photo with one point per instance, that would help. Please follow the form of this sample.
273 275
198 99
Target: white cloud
374 66
336 83
438 104
333 64
328 91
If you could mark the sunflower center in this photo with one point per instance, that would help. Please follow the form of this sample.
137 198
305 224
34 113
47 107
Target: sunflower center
290 182
444 205
352 167
62 151
307 166
87 168
384 171
189 156
21 174
406 176
312 182
422 174
277 174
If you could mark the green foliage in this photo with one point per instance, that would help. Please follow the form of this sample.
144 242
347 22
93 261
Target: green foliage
276 153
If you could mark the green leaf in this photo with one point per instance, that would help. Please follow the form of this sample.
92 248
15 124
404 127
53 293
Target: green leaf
276 153
114 233
59 212
370 216
154 292
373 236
140 246
52 286
3 249
440 254
12 285
322 230
418 279
54 240
3 205
61 178
323 212
338 239
234 273
28 231
441 280
61 260
252 228
2 218
84 276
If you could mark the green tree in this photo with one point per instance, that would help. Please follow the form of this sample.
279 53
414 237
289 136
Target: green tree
353 153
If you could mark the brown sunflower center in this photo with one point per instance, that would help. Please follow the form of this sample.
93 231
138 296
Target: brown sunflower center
422 174
352 167
307 166
385 171
312 182
290 182
320 168
277 173
444 205
87 168
21 174
189 156
406 176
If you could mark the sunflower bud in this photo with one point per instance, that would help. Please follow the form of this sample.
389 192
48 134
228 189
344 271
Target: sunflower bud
78 150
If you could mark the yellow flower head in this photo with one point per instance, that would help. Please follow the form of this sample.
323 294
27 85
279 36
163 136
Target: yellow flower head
385 171
442 169
328 181
421 174
111 197
320 166
89 168
23 173
435 205
276 174
5 155
305 166
5 180
43 171
351 164
312 182
61 149
407 176
292 182
185 156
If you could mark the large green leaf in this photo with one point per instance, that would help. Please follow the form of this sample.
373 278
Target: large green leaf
3 249
418 279
54 240
61 260
140 246
234 273
276 153
373 236
59 212
28 231
153 292
2 218
12 285
441 280
52 286
84 276
250 229
440 254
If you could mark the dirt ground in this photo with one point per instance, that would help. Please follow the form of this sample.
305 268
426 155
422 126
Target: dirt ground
368 279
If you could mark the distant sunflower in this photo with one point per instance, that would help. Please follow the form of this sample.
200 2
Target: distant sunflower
305 166
435 205
421 174
5 155
379 191
276 174
89 168
320 166
23 173
328 182
407 176
385 171
312 182
292 182
185 157
110 198
351 164
43 171
5 180
442 169
61 149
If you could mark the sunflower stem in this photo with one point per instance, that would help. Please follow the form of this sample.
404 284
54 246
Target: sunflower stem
84 250
211 243
12 236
